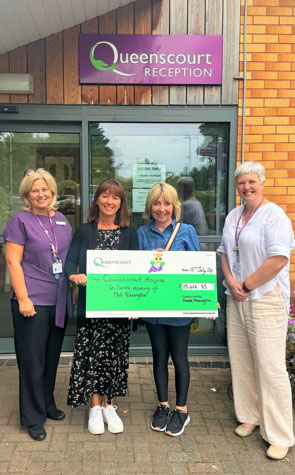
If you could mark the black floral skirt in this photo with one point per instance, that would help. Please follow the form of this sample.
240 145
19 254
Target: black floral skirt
101 360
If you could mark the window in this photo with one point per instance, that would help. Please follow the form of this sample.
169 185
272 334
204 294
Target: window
59 153
192 157
140 155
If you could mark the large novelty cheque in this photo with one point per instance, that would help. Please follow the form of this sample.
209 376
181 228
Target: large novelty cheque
151 284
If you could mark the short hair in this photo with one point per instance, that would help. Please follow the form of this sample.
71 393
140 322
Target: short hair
251 167
186 187
170 195
113 187
27 183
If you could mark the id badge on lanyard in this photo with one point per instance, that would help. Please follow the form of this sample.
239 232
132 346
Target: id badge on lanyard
57 263
237 267
57 267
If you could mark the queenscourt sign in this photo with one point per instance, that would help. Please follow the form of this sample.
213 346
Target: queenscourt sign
150 59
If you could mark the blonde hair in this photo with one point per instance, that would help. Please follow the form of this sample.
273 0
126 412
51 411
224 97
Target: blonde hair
27 183
170 195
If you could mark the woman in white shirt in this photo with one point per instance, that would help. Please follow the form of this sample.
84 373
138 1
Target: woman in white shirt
255 253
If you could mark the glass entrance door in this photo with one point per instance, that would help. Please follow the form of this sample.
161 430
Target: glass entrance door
192 157
59 153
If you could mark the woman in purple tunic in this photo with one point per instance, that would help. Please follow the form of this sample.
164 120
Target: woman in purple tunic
37 240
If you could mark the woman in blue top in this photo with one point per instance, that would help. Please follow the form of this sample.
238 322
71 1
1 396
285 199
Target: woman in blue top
169 336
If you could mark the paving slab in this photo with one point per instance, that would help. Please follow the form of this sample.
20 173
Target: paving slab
208 444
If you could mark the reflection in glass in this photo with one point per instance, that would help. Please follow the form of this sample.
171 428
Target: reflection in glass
192 209
60 155
140 155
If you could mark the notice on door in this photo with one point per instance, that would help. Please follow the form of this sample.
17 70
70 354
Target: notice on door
146 175
139 199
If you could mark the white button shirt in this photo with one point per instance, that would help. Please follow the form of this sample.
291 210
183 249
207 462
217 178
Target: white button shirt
268 233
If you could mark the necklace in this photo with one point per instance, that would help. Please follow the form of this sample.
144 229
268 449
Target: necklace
248 214
53 245
106 226
238 232
57 263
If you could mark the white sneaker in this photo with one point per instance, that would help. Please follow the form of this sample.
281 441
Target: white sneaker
95 421
115 424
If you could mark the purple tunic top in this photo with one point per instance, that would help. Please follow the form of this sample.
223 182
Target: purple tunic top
25 230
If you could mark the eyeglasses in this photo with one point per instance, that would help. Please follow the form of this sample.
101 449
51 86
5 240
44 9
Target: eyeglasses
31 171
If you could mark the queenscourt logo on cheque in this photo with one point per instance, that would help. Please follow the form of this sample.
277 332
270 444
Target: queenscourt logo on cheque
99 262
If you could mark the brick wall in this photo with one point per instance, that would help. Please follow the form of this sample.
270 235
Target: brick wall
270 99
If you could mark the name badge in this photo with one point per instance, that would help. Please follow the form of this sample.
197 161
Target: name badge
57 267
237 267
60 223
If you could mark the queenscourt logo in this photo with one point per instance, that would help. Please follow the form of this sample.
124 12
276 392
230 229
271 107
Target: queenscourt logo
101 65
99 262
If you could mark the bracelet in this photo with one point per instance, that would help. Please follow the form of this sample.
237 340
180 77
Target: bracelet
245 288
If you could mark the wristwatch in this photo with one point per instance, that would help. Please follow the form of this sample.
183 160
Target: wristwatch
245 288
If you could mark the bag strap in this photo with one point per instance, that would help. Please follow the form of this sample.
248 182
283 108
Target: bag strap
172 237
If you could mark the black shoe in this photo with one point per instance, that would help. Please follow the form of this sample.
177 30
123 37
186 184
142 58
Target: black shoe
37 432
58 415
177 423
160 418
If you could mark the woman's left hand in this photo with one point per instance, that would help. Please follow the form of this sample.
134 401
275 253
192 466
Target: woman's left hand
78 279
133 318
237 290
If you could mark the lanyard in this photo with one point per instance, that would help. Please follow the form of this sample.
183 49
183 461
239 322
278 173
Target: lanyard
52 245
238 233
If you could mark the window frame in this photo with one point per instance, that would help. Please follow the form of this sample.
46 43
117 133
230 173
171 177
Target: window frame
76 119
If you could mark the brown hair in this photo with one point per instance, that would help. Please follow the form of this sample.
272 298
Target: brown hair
170 195
114 187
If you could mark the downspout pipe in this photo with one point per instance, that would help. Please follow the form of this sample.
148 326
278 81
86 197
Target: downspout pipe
244 83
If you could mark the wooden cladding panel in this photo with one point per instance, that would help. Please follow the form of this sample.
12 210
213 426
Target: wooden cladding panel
72 88
196 26
178 26
89 94
213 27
143 25
54 69
160 26
4 68
18 64
54 61
231 37
36 67
125 24
108 24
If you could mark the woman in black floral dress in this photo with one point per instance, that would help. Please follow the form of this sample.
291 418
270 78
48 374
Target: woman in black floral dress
101 355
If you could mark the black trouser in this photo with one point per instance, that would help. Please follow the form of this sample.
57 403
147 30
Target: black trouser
169 340
38 345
